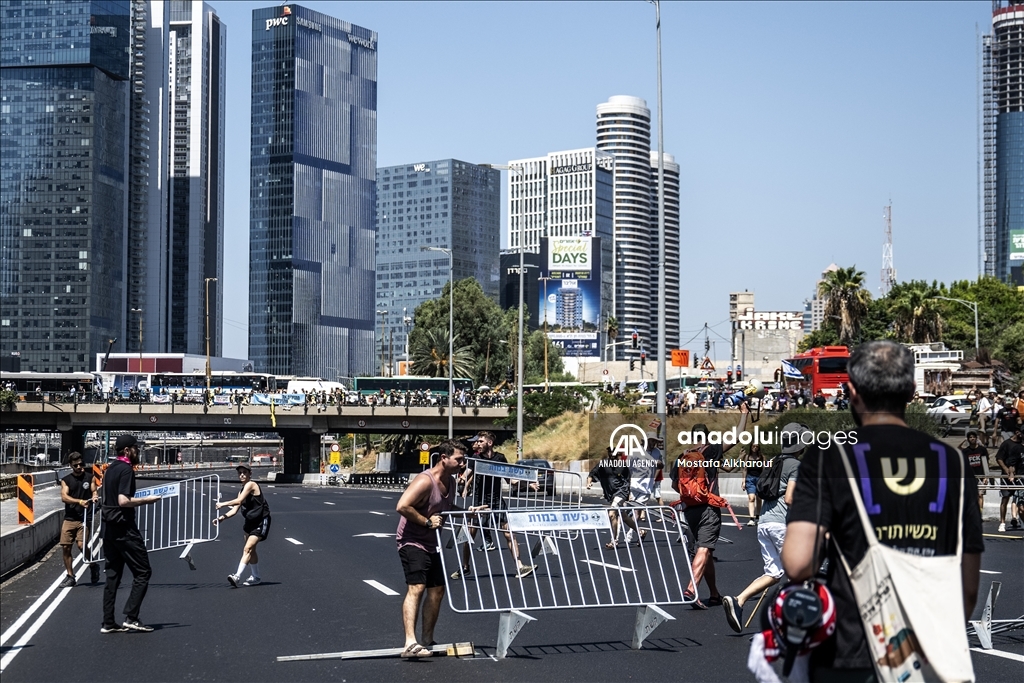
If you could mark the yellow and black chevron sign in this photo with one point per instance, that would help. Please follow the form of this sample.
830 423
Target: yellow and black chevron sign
26 496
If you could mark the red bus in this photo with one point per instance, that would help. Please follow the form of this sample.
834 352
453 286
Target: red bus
823 368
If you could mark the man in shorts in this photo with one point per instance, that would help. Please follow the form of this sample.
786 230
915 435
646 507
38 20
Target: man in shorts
1009 457
977 458
771 527
77 493
614 476
430 493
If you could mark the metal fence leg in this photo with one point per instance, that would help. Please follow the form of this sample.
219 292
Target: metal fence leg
983 627
545 545
648 618
186 555
510 623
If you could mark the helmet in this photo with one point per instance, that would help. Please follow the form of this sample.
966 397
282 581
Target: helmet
803 616
754 388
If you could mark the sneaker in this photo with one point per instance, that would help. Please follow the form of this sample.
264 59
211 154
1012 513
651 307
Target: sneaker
252 581
113 628
68 582
490 546
136 625
751 522
526 570
1014 524
457 575
733 613
1002 528
233 580
94 573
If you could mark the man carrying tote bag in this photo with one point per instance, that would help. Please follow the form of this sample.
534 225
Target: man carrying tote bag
904 541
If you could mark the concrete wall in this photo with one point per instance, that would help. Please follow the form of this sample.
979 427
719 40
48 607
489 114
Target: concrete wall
21 546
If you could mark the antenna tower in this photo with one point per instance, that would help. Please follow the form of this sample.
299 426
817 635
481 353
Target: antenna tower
888 270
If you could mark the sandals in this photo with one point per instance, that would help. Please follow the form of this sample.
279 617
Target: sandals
416 651
611 545
714 601
642 536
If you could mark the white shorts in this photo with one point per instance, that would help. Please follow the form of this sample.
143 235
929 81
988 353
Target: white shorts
771 536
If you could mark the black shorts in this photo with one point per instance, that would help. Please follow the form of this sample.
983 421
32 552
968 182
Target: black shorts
260 528
421 567
705 521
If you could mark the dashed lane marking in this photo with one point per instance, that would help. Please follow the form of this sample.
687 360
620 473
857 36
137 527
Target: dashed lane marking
988 571
327 502
292 540
380 586
374 512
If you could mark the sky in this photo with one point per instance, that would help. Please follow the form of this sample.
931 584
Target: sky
794 124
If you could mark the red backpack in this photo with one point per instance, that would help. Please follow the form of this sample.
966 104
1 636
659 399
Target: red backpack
692 482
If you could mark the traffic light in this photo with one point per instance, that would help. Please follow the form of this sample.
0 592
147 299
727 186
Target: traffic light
509 377
636 339
707 346
632 364
696 362
728 376
643 358
739 374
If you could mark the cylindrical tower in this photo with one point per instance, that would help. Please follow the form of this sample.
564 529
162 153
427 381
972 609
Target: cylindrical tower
1008 95
672 241
624 131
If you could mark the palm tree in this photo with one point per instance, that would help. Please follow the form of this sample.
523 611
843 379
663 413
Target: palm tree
846 300
613 328
429 353
915 313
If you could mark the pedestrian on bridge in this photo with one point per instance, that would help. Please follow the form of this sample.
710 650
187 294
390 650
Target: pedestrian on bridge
430 493
256 513
122 542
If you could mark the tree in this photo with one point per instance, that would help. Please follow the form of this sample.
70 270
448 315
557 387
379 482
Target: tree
915 312
845 300
612 326
533 355
429 355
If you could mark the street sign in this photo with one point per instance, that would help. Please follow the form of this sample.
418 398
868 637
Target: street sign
280 451
361 423
334 468
605 371
335 447
707 364
405 424
424 457
424 446
153 419
335 458
680 358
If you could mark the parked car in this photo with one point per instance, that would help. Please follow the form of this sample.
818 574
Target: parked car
545 478
952 412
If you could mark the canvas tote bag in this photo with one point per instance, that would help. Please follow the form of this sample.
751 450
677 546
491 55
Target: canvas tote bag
911 606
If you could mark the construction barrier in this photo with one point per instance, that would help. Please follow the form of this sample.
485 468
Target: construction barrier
575 564
984 628
26 499
182 517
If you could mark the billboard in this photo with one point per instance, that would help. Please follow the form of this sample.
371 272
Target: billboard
1016 245
570 294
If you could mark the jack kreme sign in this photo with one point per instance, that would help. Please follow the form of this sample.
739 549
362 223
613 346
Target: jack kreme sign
769 320
570 258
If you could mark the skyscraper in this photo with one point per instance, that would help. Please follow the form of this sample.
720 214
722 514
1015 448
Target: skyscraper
449 204
64 101
672 246
1005 100
312 186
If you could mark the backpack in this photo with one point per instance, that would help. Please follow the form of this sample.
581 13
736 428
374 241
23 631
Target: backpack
767 486
692 482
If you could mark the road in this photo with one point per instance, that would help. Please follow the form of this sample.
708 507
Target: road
315 598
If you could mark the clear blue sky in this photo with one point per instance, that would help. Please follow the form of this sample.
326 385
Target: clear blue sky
794 125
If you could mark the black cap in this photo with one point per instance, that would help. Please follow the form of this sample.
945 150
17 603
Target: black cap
243 466
124 441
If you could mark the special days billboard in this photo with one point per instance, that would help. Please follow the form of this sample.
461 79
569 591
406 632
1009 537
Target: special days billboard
570 297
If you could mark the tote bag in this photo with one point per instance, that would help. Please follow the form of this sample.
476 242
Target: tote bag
911 606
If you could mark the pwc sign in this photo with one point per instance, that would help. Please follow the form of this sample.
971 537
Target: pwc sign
282 20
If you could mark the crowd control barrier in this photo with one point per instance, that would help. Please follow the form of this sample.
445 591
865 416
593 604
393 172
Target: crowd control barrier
983 629
575 564
522 486
181 518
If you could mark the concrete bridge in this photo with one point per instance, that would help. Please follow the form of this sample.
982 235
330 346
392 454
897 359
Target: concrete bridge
300 427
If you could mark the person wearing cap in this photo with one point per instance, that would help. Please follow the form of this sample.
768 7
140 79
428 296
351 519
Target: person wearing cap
1010 458
771 526
122 542
256 513
846 490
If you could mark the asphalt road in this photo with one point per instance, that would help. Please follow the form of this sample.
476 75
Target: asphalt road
315 599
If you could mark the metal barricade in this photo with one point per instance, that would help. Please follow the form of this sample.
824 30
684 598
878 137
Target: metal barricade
523 486
573 562
181 518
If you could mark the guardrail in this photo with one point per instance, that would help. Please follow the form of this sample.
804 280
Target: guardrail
379 480
577 564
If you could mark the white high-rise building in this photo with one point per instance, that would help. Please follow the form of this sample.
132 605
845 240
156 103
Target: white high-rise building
672 246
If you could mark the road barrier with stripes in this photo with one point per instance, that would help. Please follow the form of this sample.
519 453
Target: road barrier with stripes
183 516
576 564
26 499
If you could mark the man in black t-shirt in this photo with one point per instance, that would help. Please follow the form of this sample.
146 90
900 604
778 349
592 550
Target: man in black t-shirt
881 384
122 541
77 494
977 458
1009 457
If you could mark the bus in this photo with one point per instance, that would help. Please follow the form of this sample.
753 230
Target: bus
823 368
220 382
435 385
32 386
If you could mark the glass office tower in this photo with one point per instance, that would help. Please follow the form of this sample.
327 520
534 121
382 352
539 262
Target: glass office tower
1007 100
449 204
64 70
312 186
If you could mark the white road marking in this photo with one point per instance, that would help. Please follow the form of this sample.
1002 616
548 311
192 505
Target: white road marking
988 571
375 535
327 502
610 566
27 636
380 586
374 512
999 653
292 540
386 497
296 498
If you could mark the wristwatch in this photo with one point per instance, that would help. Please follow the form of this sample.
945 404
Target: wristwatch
430 523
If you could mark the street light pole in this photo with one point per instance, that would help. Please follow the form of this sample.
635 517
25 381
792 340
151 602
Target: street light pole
659 355
208 281
973 305
139 311
451 334
383 320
